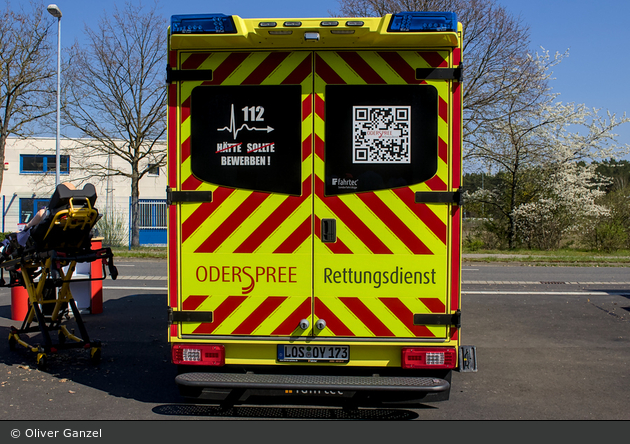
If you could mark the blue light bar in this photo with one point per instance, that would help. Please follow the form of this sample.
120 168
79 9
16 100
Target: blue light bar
202 24
423 21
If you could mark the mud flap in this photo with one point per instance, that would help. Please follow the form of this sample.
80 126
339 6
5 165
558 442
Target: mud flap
467 358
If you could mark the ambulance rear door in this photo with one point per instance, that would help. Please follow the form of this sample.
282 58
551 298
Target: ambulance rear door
246 253
383 215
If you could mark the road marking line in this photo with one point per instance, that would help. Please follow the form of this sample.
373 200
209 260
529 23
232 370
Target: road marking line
555 293
541 283
136 288
163 278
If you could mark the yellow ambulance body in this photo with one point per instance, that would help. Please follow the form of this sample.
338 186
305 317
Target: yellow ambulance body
314 173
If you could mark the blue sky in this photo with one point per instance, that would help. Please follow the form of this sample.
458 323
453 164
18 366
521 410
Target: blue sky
595 32
596 35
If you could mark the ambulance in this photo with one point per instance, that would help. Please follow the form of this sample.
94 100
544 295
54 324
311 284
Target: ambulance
314 208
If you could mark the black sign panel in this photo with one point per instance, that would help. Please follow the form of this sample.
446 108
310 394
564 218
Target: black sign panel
380 136
247 136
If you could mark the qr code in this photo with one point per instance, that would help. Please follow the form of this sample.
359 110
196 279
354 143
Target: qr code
382 134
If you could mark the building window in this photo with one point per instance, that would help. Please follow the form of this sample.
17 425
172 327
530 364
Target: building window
152 213
43 163
154 169
30 206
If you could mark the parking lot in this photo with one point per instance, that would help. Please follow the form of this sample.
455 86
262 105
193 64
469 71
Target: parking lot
545 351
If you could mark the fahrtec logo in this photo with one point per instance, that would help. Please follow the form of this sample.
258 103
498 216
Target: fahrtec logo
247 276
345 182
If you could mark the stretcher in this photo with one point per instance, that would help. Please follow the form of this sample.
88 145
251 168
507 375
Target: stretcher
44 265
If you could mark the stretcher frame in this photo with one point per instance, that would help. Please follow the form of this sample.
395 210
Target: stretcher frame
48 285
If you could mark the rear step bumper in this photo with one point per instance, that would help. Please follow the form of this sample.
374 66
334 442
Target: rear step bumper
312 382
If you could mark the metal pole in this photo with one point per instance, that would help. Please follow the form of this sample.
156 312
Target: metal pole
57 156
56 12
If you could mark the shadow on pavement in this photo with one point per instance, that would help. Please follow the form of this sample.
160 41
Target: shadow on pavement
135 359
285 412
136 364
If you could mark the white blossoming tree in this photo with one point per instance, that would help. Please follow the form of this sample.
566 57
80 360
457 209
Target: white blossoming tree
567 203
543 192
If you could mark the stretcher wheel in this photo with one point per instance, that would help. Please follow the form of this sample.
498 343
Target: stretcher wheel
95 355
42 361
12 343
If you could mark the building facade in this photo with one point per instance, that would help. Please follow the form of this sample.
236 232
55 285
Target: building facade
29 181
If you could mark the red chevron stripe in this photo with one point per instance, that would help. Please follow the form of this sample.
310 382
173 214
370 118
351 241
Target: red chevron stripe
365 315
191 183
292 321
307 107
300 73
442 150
337 247
405 315
320 107
443 109
195 60
326 73
221 313
262 312
173 264
266 67
233 221
275 220
393 222
185 109
456 260
193 302
332 321
307 147
456 183
352 221
319 147
436 184
423 212
226 68
361 67
296 238
172 124
434 59
400 66
454 333
434 305
172 134
457 56
204 211
185 149
457 147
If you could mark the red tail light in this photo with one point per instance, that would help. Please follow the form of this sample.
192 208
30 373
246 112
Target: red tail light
199 354
429 357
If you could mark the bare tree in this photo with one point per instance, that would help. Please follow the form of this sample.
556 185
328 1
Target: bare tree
497 63
117 97
27 72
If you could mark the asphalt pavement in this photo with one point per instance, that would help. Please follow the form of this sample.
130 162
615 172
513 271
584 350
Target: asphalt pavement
553 343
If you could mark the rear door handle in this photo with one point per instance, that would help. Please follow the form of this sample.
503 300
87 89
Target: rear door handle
329 231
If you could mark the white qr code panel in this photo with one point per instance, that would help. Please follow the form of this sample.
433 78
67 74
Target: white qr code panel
382 134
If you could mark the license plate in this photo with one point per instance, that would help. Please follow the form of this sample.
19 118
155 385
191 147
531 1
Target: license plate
313 353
